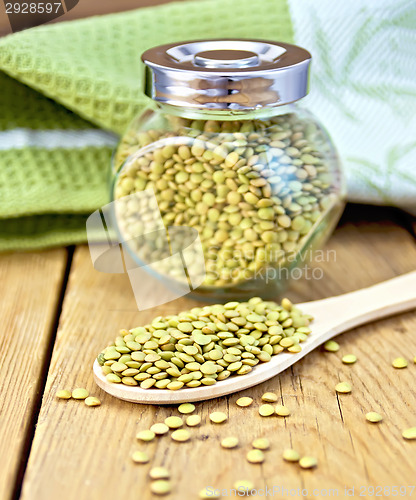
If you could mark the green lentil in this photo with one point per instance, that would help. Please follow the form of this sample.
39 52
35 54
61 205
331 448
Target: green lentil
205 345
409 433
255 456
92 401
373 417
269 397
193 420
80 393
140 457
399 363
118 367
218 417
146 384
308 462
261 444
331 346
343 388
282 410
174 422
161 487
231 159
349 359
63 394
266 410
181 435
159 473
244 401
230 442
159 429
186 408
291 455
185 327
146 435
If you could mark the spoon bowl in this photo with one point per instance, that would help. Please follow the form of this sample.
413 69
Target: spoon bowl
332 317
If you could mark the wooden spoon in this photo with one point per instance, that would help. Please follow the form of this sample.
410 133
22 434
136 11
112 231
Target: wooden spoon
332 316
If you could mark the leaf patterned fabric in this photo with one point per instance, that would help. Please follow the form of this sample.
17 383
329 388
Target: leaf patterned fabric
363 88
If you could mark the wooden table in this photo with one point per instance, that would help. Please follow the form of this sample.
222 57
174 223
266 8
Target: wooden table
58 312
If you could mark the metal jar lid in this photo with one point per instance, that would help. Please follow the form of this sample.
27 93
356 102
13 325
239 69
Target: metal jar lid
226 74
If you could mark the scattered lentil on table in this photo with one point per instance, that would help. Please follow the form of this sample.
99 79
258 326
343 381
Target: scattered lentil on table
64 394
349 359
186 408
140 457
229 442
291 455
331 346
308 462
261 444
373 417
269 397
409 433
399 363
343 388
161 487
159 473
146 435
92 401
244 402
80 393
282 411
174 422
159 429
218 417
266 410
193 420
255 456
181 435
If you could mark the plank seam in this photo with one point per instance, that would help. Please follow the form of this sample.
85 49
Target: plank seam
34 414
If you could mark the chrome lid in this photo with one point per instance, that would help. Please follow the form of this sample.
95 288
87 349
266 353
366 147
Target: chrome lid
226 74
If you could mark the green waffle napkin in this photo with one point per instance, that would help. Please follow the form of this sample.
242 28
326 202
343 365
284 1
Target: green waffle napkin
63 83
68 89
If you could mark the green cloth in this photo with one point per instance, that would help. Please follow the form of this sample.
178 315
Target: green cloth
70 79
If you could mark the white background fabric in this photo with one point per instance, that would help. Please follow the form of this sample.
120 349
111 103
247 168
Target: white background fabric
363 89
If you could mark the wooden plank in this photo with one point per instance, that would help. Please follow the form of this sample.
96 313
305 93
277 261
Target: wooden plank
365 250
31 287
84 453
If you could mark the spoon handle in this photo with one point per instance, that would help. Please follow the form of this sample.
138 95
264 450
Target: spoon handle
343 312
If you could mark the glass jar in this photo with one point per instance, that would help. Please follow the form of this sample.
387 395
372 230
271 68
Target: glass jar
227 152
